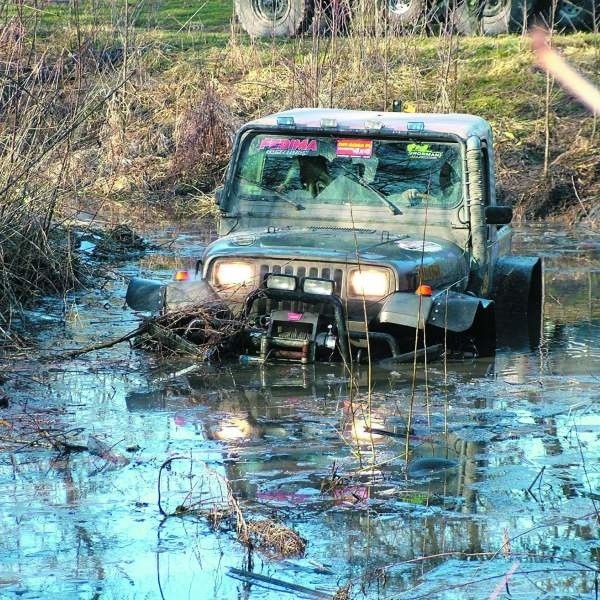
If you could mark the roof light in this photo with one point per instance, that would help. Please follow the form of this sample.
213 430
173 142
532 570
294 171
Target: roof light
415 126
371 124
423 290
285 121
281 282
181 276
329 123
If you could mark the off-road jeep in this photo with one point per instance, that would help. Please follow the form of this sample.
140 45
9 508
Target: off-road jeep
346 232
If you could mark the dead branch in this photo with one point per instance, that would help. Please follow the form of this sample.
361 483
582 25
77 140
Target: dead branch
108 344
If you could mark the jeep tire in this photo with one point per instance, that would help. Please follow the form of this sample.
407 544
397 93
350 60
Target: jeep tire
274 18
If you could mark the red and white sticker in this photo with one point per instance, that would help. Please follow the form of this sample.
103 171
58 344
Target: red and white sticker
288 146
352 148
292 316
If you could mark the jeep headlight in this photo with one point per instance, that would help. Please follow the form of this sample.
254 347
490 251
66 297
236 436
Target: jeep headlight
233 273
369 282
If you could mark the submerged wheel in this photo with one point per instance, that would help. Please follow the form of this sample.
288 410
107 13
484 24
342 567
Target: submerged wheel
274 18
573 16
406 12
504 16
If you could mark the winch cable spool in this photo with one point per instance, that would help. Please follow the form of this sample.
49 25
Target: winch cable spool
333 301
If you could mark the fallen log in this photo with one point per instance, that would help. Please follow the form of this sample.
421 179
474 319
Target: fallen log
173 341
430 353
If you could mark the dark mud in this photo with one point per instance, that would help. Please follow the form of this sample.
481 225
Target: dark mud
501 494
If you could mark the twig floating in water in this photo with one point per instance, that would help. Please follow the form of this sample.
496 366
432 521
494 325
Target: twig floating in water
277 583
536 478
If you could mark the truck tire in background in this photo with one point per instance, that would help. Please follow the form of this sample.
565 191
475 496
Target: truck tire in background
274 18
405 12
504 16
461 18
578 15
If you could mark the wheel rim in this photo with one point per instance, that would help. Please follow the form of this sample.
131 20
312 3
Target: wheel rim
494 7
399 7
271 10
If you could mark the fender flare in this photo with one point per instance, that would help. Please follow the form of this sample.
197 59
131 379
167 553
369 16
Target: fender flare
447 310
147 295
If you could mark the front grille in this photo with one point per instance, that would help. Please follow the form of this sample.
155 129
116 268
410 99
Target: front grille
336 272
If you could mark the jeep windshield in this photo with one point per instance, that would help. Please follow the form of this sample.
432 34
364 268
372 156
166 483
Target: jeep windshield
307 171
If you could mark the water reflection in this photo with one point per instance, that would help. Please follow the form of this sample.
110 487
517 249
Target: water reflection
516 478
279 442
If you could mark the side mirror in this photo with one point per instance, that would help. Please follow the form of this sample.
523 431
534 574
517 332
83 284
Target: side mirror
498 215
219 193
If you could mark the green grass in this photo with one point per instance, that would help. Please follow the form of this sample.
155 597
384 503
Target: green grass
160 16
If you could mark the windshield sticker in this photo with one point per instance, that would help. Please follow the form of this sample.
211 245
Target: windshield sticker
288 146
422 151
354 148
418 245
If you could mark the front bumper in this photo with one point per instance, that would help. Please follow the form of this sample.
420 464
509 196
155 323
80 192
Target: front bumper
295 325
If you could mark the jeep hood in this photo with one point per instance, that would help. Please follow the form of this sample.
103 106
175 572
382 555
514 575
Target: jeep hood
343 245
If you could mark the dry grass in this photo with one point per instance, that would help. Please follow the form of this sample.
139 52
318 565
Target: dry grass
204 137
274 539
210 496
100 116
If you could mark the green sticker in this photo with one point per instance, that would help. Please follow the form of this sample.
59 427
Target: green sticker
415 150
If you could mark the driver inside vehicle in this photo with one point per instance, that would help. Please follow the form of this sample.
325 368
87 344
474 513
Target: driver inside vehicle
313 174
447 193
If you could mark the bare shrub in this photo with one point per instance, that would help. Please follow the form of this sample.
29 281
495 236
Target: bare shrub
204 138
47 102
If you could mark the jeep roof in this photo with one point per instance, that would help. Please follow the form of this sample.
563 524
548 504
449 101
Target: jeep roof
458 124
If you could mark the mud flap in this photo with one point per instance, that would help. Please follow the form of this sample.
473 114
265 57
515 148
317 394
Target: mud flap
410 310
468 319
451 310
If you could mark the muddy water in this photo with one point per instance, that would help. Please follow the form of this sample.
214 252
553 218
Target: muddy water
513 510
